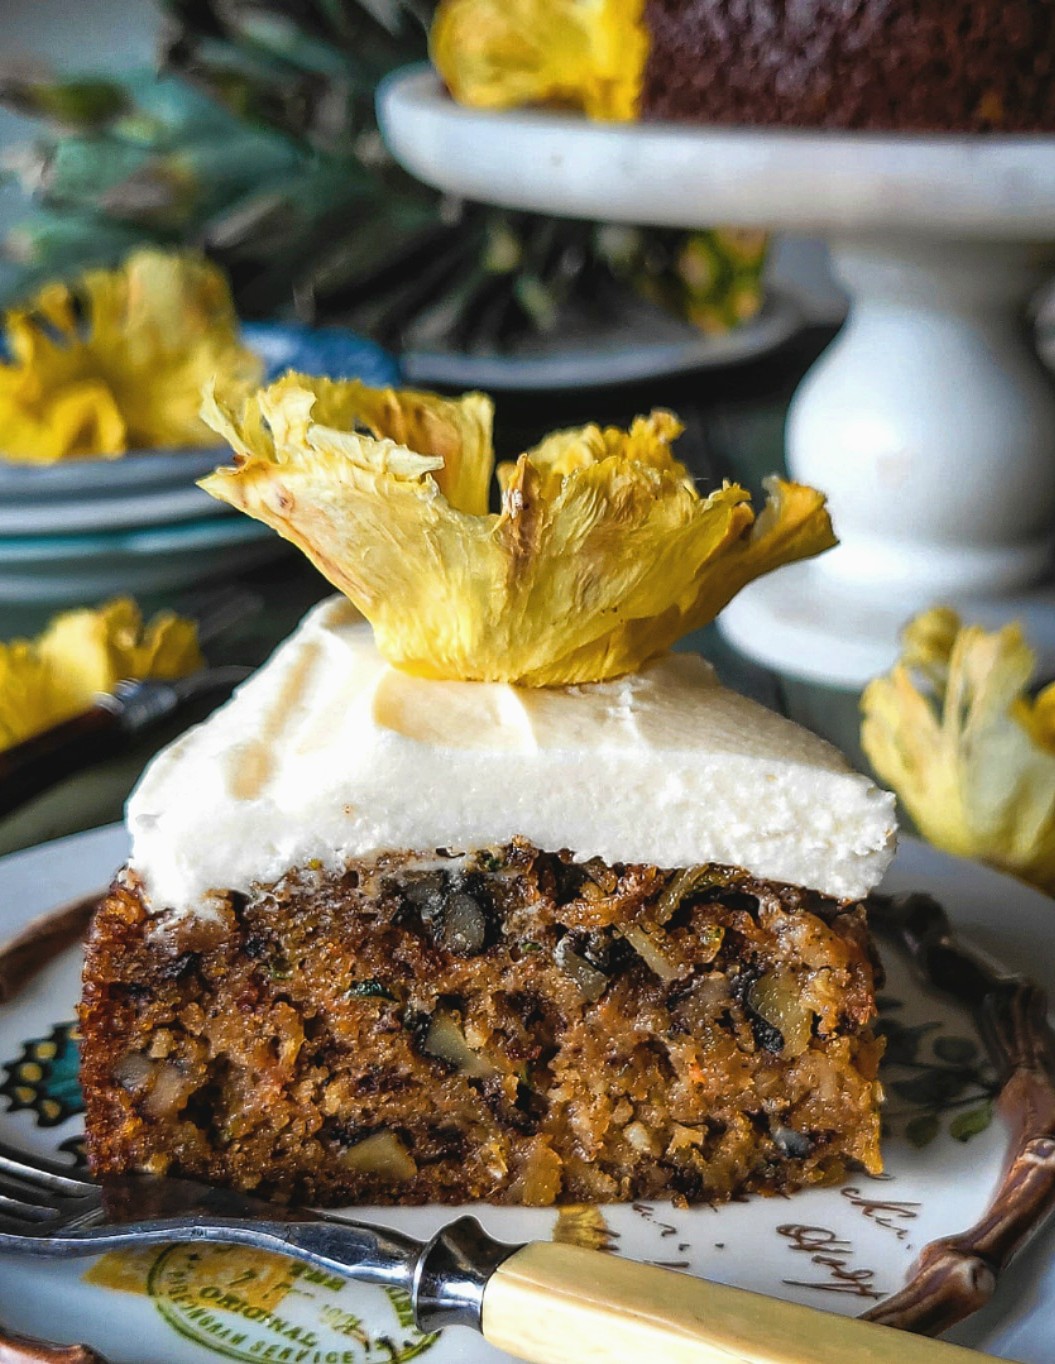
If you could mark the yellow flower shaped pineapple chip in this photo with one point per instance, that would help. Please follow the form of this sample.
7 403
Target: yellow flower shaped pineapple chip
603 553
116 360
81 653
587 54
953 731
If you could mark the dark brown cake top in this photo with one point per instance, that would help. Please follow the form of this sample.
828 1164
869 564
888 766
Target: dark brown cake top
935 65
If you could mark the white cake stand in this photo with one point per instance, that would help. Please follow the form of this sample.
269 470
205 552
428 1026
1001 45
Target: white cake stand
930 422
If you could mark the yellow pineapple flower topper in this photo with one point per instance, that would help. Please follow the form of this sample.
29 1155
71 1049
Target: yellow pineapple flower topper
81 653
953 730
603 553
116 359
586 54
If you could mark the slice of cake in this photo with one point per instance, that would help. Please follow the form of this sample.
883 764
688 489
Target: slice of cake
397 927
353 958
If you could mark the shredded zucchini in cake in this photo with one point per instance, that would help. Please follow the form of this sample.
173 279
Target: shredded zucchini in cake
602 555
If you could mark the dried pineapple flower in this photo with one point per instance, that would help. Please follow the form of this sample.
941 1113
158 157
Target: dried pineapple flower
589 54
275 424
116 360
602 556
952 729
57 675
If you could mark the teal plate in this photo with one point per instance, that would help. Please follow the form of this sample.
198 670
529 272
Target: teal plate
85 568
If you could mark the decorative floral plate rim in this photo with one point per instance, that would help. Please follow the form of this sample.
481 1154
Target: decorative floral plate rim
830 1265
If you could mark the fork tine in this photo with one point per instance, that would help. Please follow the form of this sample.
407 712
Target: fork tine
25 1212
41 1174
19 1231
24 1192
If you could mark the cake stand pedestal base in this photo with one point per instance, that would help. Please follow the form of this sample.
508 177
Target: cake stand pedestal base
930 424
799 622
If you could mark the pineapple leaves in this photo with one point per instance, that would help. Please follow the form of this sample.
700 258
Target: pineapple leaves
259 145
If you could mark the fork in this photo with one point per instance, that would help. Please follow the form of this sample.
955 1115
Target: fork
543 1301
36 764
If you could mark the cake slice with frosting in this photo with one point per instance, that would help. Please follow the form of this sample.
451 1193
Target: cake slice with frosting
402 925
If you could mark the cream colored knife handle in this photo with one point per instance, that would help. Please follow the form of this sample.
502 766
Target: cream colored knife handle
553 1303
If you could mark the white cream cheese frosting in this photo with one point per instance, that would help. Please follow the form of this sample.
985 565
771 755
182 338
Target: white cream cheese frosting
328 753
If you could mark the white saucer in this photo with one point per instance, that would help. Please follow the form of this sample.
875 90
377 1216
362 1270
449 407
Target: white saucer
638 344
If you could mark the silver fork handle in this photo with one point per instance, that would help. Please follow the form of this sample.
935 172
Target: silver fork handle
445 1278
548 1302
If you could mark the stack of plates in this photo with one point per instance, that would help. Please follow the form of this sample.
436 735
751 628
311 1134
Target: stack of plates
90 528
87 529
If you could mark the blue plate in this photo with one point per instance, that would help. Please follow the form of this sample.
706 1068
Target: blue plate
102 479
333 351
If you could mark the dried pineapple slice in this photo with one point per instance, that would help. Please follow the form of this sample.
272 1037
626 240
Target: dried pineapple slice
453 433
562 452
603 553
953 731
117 359
81 653
589 54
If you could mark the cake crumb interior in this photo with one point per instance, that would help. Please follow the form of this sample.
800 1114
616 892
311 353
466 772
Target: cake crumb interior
507 1025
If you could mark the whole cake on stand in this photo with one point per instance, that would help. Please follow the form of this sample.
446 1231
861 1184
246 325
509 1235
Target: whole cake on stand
930 422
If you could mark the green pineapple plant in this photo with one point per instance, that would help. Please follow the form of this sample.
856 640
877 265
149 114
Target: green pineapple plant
256 142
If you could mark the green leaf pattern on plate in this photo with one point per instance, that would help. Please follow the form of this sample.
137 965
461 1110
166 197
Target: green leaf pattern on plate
933 1079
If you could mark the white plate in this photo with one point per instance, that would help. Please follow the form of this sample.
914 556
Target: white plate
76 515
179 1312
640 343
84 568
997 187
106 478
